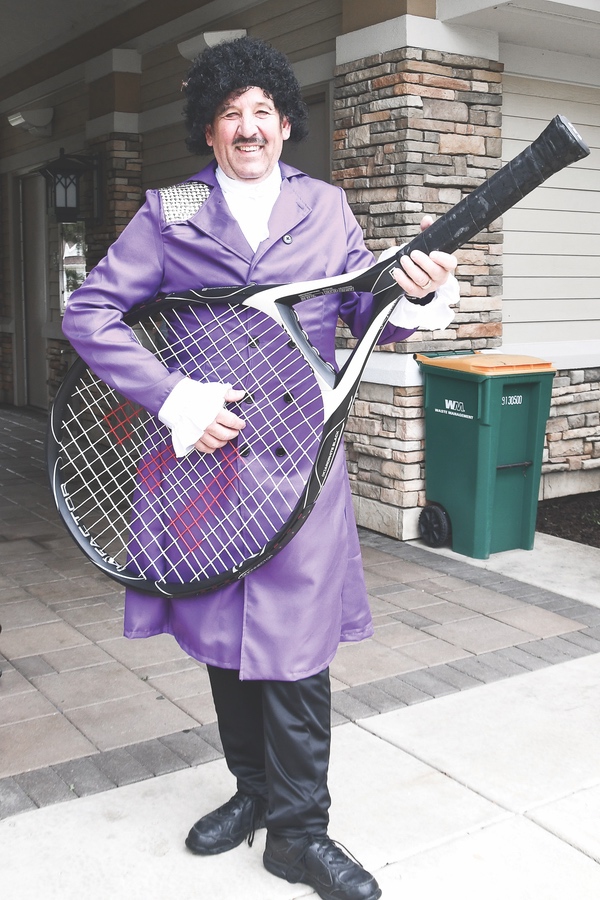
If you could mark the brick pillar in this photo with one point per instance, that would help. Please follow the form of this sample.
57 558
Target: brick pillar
121 175
415 130
112 130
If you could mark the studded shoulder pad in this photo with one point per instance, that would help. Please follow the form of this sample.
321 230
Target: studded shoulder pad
182 201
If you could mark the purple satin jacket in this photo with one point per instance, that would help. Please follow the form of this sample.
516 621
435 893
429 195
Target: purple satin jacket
285 620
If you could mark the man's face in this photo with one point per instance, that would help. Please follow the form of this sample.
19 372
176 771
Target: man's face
247 136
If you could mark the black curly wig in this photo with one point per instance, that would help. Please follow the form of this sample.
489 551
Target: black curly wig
232 67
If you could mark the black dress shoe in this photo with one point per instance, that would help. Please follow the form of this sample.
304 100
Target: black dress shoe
319 862
228 825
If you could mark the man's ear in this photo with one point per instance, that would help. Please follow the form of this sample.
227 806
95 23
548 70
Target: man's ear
208 135
286 128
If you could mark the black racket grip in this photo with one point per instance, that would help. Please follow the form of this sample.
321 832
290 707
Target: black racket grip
558 146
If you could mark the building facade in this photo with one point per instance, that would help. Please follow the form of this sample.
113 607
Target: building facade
412 104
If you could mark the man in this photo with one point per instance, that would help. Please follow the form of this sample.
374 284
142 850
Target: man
267 640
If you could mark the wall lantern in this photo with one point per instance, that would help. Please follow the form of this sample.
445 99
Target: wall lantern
64 189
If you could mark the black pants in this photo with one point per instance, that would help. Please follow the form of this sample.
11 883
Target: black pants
276 736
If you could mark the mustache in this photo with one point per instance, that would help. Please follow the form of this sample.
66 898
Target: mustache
249 142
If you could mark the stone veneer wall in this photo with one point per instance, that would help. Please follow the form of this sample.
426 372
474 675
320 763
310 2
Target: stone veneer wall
414 131
385 440
572 453
385 444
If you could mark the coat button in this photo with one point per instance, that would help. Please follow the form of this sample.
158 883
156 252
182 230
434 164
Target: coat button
287 239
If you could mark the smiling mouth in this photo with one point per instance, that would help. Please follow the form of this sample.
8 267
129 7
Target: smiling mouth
248 146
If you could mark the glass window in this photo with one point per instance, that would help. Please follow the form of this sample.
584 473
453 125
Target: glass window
72 260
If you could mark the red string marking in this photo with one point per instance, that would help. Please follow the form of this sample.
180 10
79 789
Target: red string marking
189 519
150 470
119 421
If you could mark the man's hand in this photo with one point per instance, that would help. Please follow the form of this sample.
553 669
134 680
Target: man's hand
224 428
421 274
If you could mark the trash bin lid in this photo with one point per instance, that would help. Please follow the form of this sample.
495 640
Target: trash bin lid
488 363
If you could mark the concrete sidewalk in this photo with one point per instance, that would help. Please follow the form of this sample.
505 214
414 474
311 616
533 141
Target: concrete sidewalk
488 793
465 752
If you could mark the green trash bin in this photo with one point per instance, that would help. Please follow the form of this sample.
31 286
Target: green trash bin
485 421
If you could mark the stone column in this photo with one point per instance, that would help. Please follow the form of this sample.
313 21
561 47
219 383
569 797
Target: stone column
415 130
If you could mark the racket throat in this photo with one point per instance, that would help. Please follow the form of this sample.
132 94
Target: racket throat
347 380
324 372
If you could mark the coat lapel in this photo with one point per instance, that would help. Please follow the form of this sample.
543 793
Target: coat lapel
214 218
289 210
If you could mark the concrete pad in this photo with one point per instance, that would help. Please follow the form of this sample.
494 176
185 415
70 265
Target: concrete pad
83 657
369 661
574 819
83 687
35 743
128 843
143 652
24 706
521 742
540 622
387 805
435 652
201 707
14 682
479 634
36 639
565 567
129 720
397 634
23 613
514 859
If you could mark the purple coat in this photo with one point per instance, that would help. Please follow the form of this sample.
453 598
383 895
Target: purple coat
285 620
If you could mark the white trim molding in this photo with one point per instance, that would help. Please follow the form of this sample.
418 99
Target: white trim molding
113 61
550 65
402 370
397 369
126 123
416 31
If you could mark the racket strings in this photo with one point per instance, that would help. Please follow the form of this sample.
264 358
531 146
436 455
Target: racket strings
116 456
278 383
201 343
97 482
186 522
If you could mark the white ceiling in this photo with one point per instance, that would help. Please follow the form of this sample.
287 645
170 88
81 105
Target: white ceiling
30 28
546 24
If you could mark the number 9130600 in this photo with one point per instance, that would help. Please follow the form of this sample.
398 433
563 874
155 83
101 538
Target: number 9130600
512 400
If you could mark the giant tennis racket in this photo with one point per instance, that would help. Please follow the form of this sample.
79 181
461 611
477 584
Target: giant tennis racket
181 527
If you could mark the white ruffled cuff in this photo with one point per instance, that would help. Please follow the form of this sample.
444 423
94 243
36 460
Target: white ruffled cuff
189 409
435 316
